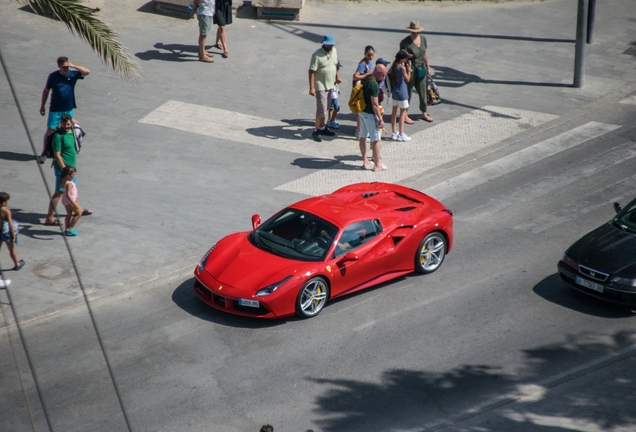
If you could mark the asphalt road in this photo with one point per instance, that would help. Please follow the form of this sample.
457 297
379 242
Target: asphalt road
398 357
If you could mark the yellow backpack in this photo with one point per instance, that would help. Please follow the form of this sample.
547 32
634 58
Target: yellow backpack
356 100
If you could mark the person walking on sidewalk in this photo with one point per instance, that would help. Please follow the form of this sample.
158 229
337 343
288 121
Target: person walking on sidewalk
9 231
371 122
204 10
61 85
323 76
415 45
399 75
69 200
65 155
222 17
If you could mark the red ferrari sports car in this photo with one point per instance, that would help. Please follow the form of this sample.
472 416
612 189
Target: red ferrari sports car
325 247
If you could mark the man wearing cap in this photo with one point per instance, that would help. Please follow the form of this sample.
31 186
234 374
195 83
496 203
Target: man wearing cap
323 76
415 45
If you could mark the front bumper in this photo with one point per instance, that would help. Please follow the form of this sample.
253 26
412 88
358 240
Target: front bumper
611 293
227 303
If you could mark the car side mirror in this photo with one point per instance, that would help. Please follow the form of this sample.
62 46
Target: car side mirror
350 256
256 221
617 207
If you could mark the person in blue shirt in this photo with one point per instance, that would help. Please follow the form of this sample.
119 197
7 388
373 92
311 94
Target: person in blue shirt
61 85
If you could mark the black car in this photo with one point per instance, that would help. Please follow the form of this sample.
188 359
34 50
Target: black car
602 264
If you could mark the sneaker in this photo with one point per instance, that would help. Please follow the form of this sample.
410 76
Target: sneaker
333 124
404 138
316 136
70 233
394 136
21 264
41 159
326 132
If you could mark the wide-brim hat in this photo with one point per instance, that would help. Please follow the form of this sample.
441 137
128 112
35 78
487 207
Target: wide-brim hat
414 27
328 39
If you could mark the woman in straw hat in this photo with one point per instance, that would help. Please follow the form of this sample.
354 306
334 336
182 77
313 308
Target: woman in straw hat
415 45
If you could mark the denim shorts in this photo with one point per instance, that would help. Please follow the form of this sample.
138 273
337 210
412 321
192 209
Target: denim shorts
55 117
335 105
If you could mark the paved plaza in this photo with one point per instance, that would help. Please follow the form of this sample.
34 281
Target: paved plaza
174 163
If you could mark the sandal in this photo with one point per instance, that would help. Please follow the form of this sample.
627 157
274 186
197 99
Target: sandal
21 264
408 120
87 212
427 118
54 223
225 54
206 59
382 168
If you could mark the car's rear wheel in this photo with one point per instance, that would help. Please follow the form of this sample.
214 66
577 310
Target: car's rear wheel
312 297
430 253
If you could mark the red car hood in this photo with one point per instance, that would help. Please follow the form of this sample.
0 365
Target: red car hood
238 263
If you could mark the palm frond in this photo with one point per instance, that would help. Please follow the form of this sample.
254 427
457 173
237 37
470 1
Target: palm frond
81 21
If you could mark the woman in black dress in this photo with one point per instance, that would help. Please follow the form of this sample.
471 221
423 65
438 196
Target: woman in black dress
222 17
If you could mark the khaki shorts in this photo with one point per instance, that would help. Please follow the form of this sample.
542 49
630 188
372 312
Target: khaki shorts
323 102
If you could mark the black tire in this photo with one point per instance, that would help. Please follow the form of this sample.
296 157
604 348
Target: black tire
430 253
312 297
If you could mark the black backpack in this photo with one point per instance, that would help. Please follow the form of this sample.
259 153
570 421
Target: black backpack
48 147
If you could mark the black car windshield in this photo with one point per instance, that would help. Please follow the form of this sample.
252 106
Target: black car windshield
626 219
295 234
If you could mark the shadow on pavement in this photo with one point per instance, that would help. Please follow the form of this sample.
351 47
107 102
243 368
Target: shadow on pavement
170 52
335 163
17 157
184 297
403 31
552 289
450 77
407 399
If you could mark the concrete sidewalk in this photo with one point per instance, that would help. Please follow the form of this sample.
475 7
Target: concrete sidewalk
162 196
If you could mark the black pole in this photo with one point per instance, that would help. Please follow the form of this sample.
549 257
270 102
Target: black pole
591 14
579 51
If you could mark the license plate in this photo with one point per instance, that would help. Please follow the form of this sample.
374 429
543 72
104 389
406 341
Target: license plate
249 303
587 284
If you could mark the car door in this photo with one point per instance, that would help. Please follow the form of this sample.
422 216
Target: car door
361 254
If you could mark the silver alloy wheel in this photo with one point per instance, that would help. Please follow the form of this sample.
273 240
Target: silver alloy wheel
313 297
432 252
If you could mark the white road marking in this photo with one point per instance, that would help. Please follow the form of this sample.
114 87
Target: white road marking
520 159
429 148
243 128
532 191
432 147
629 100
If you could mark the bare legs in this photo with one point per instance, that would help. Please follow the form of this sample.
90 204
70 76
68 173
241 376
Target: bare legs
12 253
73 215
221 40
50 216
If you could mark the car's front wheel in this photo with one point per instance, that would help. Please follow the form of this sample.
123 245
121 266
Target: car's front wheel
430 253
312 297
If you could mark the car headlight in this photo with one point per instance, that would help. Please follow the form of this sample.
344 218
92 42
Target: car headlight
271 288
624 281
205 259
569 261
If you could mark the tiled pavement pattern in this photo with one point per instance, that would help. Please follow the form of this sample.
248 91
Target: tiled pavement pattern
161 196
